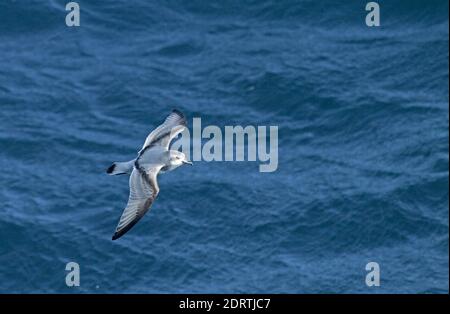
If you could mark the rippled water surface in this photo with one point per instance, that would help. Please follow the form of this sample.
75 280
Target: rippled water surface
363 145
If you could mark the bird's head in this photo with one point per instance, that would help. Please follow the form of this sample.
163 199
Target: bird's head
178 158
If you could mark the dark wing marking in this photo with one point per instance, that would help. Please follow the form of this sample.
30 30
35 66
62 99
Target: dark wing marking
143 191
174 124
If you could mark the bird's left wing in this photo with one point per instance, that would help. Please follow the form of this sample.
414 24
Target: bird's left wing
143 191
174 124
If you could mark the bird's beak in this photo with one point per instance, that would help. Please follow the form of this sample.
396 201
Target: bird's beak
187 162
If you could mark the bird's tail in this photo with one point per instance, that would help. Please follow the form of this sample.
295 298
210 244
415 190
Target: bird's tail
120 168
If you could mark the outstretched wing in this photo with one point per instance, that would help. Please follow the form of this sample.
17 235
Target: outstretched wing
143 191
174 124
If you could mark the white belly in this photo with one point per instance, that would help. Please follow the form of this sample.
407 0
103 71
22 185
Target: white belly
153 156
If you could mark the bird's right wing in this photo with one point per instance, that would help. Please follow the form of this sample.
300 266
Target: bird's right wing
174 124
143 191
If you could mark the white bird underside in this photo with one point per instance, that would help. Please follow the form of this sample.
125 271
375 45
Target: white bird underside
143 179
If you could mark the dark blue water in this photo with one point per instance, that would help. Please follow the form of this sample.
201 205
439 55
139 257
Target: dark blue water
363 169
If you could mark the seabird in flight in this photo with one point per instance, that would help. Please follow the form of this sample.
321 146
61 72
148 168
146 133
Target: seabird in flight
155 157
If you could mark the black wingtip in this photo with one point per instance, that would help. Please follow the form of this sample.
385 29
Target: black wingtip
118 234
178 112
125 229
183 120
111 168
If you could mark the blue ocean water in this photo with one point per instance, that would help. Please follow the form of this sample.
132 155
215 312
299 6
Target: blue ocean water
363 170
